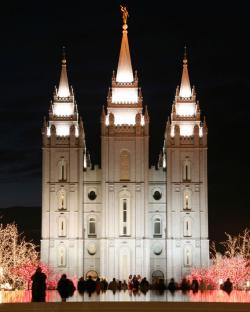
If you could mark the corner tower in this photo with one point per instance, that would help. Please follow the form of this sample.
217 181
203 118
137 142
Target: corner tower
62 180
187 211
124 143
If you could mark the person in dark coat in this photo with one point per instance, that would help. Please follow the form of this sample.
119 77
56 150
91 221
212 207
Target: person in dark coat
227 286
38 285
172 286
195 285
65 287
81 285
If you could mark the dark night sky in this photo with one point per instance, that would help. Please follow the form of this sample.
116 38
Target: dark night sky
217 35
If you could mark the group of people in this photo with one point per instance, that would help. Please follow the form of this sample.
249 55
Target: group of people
66 287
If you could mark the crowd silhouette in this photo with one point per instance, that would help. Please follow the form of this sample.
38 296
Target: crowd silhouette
134 284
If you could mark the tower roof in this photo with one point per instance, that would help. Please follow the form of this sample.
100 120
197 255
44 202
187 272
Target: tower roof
185 88
124 70
63 89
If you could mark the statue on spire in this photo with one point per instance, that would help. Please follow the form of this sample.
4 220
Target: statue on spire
124 14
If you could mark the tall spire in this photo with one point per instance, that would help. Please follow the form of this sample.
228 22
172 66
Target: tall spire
63 89
185 89
124 70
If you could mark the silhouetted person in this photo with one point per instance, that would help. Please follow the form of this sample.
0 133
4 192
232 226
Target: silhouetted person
81 285
144 285
38 285
185 286
90 285
195 285
65 287
98 285
228 286
172 286
124 285
104 284
135 283
161 286
113 285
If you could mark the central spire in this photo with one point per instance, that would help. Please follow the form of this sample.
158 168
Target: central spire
185 89
124 70
63 89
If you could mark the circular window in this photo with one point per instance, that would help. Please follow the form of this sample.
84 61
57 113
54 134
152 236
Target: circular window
157 249
91 249
157 195
92 195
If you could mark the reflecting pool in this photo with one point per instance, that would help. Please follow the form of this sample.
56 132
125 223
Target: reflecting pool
178 296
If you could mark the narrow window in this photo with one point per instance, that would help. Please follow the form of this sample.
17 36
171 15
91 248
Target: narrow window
61 256
187 200
125 214
62 170
187 256
187 228
62 226
62 200
92 227
186 170
157 227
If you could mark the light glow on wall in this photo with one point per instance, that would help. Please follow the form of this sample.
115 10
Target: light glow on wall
63 91
126 75
186 130
62 130
125 95
185 109
63 109
200 132
185 91
122 117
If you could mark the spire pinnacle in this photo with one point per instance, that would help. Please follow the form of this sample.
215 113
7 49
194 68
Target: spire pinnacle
63 89
124 70
185 88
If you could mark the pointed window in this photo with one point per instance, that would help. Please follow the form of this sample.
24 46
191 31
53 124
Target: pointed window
62 170
62 200
61 256
187 256
157 227
124 166
187 227
125 214
92 227
187 200
186 170
62 226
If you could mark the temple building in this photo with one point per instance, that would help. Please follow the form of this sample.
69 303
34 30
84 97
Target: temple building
125 217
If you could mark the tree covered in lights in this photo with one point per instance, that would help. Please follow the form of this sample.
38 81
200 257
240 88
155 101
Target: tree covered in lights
233 264
18 257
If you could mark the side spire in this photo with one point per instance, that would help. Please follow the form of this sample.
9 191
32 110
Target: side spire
124 70
63 89
185 88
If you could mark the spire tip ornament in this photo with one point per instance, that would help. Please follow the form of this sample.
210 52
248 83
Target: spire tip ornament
124 17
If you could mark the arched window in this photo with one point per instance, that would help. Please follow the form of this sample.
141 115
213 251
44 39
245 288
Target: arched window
61 256
62 170
62 200
92 227
187 227
187 256
187 199
124 166
186 174
157 227
62 230
125 213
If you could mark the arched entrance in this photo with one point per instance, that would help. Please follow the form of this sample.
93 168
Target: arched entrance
156 276
93 274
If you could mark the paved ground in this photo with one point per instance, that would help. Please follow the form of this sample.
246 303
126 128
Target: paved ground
125 306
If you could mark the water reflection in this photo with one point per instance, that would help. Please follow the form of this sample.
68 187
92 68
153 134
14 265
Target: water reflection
151 295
